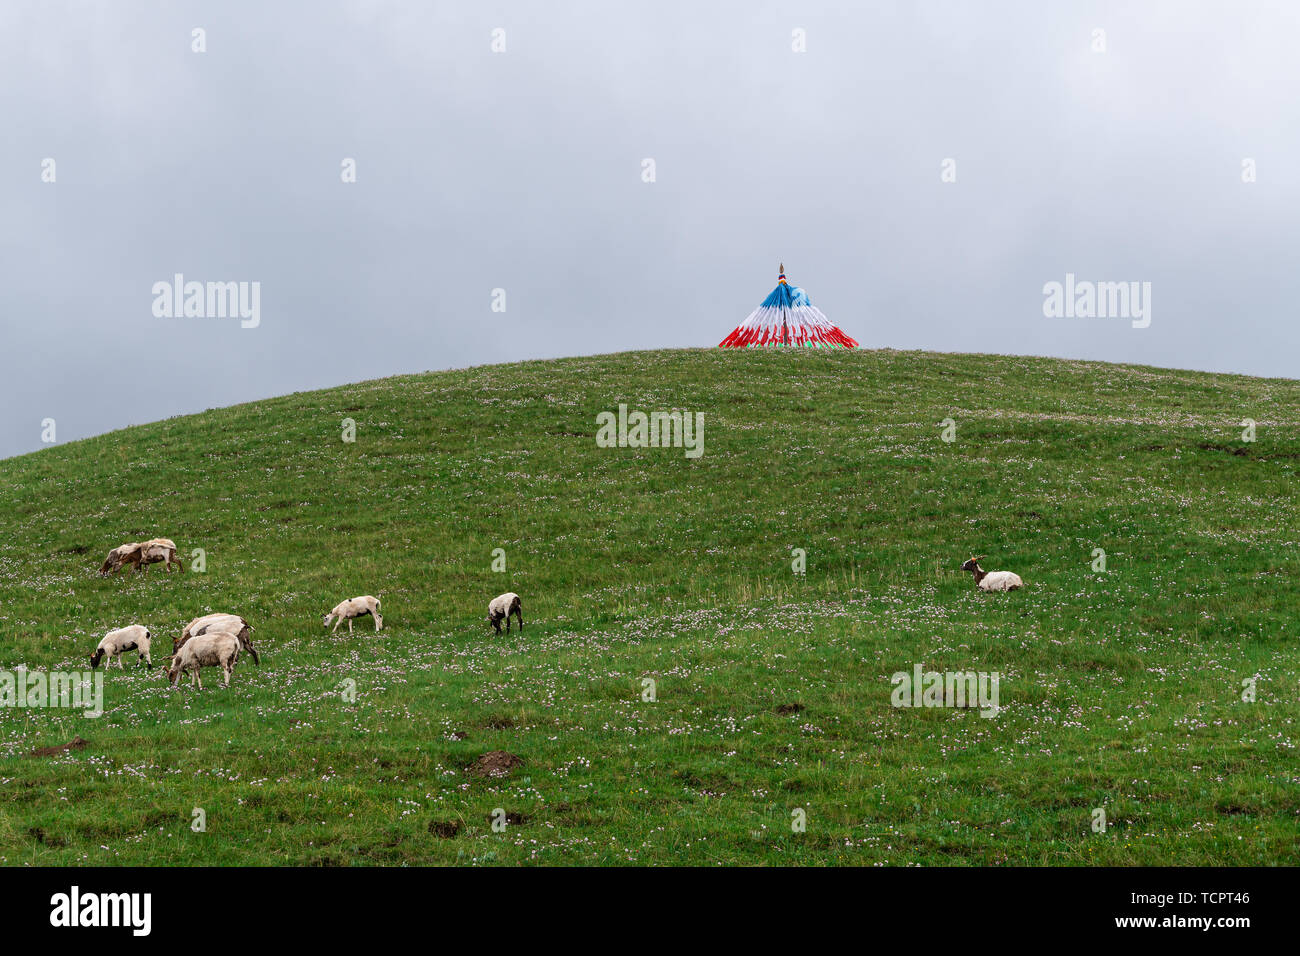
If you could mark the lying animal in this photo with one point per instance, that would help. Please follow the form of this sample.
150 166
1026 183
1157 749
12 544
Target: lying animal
134 637
992 580
355 607
503 606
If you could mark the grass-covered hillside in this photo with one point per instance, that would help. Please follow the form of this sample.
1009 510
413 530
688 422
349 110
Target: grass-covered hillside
1120 690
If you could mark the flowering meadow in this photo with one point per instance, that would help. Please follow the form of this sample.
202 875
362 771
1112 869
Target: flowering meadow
704 676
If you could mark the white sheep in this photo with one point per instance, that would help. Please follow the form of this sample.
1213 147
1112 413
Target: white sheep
355 607
992 580
502 606
135 637
221 622
211 649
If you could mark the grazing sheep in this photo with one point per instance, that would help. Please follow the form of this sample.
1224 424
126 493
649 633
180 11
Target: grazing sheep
355 607
503 606
119 556
141 553
992 580
211 649
219 622
135 637
157 550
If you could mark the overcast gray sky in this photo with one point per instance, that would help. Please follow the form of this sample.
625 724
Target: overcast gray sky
522 170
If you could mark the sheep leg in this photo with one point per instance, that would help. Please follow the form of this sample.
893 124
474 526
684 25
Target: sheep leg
336 624
379 622
198 681
520 615
227 669
349 625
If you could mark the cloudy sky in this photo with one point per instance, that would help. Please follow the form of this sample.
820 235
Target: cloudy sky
1116 156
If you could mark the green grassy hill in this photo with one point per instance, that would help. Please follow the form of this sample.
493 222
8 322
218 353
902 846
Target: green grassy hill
1120 690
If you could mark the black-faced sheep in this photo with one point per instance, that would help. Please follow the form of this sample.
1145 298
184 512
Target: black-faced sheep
992 580
355 607
503 606
134 637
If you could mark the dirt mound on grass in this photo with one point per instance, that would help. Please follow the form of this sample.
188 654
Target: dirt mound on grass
495 763
76 743
789 708
446 829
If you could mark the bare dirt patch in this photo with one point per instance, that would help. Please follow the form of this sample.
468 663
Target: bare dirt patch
445 829
495 763
76 743
789 708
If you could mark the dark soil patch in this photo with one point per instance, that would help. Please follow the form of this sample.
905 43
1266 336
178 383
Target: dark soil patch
500 723
495 763
512 819
76 743
1238 450
459 734
46 839
275 504
445 829
789 708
